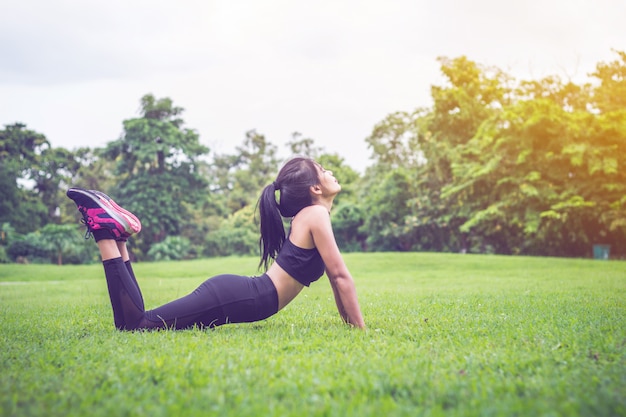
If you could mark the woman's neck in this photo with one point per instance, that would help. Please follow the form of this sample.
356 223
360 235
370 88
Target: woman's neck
328 204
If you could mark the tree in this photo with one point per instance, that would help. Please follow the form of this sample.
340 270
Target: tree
387 186
532 167
255 168
239 178
52 176
472 94
348 221
610 98
349 179
20 156
7 235
20 149
238 234
158 162
29 248
171 248
59 238
542 176
395 141
303 146
386 200
419 148
610 94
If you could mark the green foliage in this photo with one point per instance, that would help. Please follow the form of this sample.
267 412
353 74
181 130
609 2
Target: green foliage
23 156
95 171
471 95
60 244
34 176
239 178
29 248
51 176
4 257
534 167
158 163
10 194
59 238
508 336
347 177
495 165
172 248
159 202
610 95
20 149
348 220
156 141
237 235
386 196
538 169
304 146
395 141
7 234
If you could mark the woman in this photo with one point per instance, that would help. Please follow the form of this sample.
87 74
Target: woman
306 194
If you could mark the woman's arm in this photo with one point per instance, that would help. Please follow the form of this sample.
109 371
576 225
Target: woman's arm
345 291
341 281
340 308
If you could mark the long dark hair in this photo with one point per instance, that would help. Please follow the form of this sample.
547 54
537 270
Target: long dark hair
293 183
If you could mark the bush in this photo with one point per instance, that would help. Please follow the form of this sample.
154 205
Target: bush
237 235
348 219
30 248
231 241
4 258
173 248
84 253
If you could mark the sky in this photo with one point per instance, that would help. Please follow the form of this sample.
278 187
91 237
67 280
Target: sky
330 70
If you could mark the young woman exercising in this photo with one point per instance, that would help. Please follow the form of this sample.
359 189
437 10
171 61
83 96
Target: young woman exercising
290 262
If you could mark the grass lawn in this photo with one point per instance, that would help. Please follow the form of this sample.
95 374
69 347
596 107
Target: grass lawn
448 335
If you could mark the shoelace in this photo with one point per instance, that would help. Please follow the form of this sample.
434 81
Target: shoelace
85 221
88 233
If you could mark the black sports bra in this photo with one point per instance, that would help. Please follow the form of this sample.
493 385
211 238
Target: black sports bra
305 265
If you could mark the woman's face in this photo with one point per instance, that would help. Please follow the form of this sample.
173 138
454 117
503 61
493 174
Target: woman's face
329 184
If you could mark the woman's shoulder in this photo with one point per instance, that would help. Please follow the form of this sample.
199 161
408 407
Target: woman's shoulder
308 219
314 211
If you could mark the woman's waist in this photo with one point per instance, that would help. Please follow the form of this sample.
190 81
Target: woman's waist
287 286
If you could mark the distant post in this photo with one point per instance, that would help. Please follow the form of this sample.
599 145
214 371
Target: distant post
601 252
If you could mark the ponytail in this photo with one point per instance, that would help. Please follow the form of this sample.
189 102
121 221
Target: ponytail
272 229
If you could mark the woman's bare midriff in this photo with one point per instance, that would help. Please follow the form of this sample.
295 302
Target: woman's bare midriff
286 286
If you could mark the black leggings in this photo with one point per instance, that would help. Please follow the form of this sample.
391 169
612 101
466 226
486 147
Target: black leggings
217 301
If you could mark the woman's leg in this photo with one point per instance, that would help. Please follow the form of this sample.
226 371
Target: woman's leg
124 292
121 245
111 225
219 300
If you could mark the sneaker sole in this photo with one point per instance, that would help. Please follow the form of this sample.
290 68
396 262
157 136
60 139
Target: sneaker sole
108 208
132 220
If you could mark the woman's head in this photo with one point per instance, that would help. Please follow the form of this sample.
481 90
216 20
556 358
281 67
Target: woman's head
294 183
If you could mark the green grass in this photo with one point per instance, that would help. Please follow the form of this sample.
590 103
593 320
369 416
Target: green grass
448 335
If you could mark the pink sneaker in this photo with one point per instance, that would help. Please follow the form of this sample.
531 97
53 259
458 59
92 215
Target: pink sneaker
100 212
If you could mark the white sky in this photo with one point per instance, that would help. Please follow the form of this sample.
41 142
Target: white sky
74 70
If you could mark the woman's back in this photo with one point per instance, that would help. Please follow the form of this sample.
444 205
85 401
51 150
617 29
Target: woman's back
300 235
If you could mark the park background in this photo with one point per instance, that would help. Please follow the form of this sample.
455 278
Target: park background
456 127
495 165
